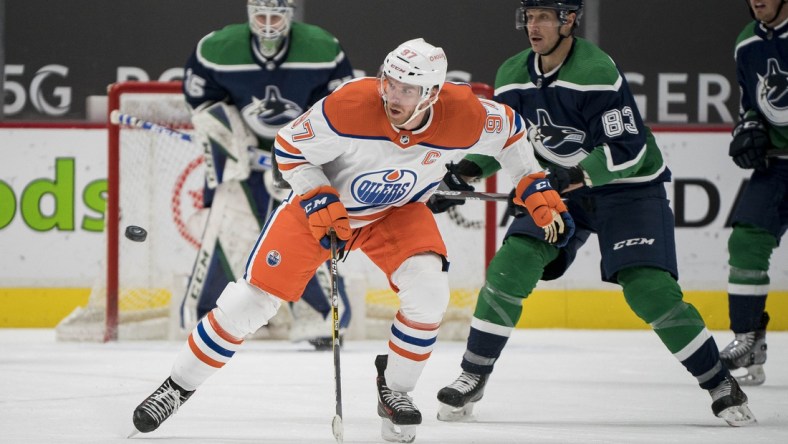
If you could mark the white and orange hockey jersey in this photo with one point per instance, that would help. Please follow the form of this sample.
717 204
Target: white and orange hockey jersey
375 166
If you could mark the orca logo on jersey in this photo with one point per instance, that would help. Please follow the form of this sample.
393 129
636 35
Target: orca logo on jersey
556 143
383 187
265 116
772 92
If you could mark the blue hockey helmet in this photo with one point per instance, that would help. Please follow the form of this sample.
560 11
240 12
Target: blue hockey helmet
269 21
562 8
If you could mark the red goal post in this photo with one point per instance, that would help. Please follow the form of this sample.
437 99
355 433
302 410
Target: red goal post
123 305
147 173
116 90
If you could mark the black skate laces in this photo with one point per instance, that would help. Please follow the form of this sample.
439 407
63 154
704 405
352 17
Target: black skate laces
163 402
465 383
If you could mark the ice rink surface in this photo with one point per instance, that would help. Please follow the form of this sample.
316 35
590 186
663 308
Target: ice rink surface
550 386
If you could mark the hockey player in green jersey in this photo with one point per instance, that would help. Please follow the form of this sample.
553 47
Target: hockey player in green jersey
585 127
760 143
244 82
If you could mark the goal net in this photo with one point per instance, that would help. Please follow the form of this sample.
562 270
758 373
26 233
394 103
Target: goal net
155 181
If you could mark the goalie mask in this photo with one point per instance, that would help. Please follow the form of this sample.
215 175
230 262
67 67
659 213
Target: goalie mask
269 21
419 64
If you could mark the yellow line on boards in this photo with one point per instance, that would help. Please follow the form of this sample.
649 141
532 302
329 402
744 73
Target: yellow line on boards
580 309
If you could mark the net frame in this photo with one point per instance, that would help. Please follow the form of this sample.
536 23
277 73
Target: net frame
458 314
115 92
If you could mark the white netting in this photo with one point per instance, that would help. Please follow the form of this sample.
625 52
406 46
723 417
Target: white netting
160 187
161 180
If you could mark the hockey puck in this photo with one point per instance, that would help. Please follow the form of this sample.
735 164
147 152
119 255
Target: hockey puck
136 234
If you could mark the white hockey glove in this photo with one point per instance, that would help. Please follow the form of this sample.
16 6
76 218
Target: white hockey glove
221 128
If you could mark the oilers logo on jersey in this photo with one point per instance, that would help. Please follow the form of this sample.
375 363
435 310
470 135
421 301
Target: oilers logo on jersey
772 92
273 258
384 187
265 116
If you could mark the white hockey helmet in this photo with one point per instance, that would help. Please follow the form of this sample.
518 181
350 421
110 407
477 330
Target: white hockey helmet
269 21
416 62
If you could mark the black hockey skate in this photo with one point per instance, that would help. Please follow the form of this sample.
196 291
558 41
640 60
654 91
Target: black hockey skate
458 398
400 416
730 403
748 351
159 406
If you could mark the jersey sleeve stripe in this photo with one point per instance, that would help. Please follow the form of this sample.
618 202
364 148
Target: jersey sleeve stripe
289 166
515 119
286 155
288 148
514 139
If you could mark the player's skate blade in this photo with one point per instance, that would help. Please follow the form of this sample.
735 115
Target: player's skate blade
754 376
457 399
450 413
730 403
397 433
738 416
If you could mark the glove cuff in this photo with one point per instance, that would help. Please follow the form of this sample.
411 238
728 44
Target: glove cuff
323 189
468 169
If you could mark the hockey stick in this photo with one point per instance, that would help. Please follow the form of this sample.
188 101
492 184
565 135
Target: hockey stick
773 154
119 118
336 423
471 195
259 161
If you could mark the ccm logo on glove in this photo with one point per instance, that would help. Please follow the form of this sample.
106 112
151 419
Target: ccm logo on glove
539 198
324 211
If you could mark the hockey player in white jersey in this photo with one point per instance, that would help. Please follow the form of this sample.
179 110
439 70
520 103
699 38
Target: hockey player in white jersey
244 82
362 163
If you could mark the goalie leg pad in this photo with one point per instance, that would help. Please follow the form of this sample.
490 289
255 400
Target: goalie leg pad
221 130
230 229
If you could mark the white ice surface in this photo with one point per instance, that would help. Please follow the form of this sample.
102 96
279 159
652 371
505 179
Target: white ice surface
550 386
